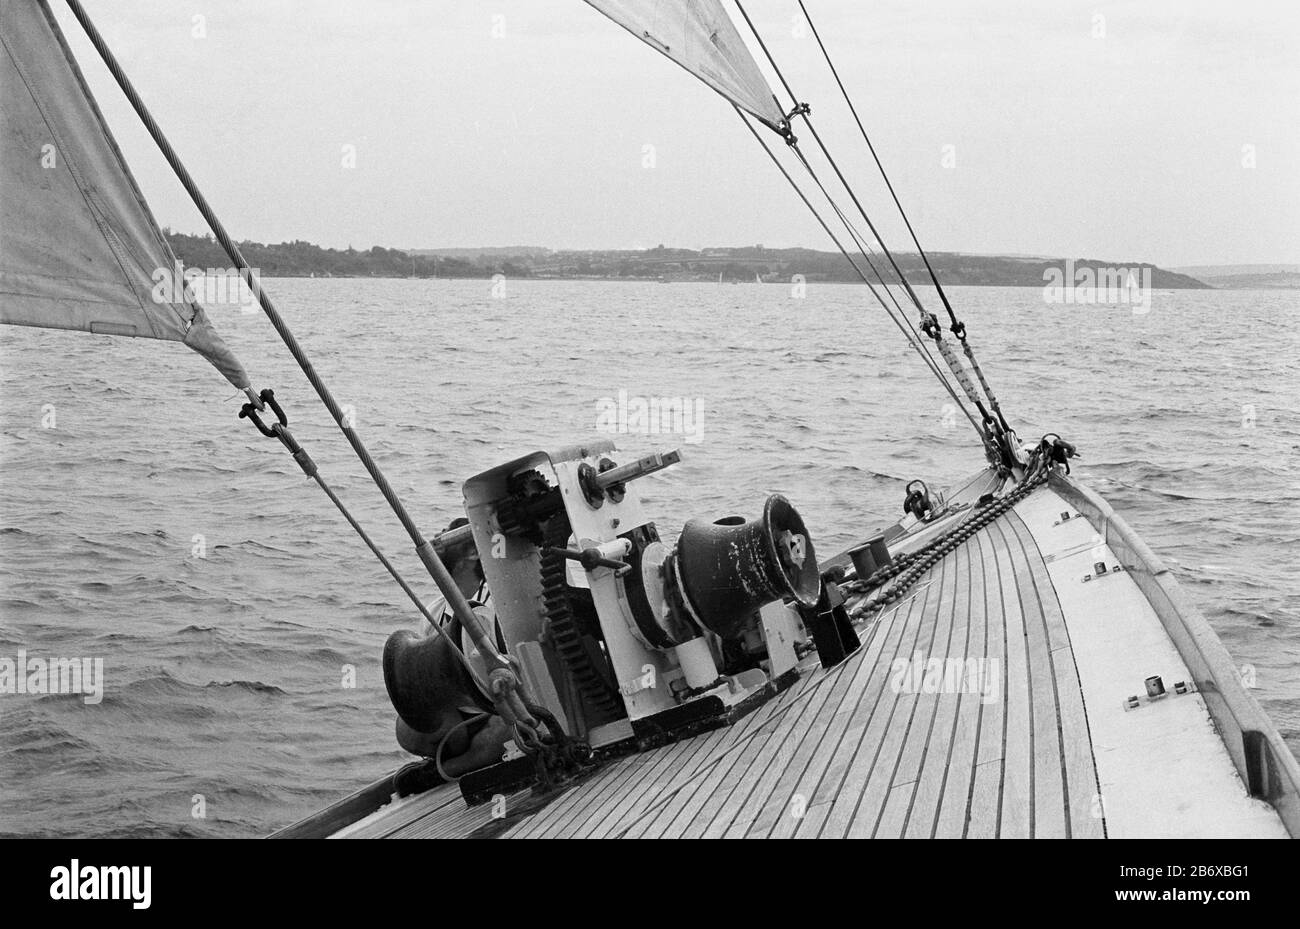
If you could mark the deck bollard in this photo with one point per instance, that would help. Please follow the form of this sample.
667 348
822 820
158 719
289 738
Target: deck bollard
870 557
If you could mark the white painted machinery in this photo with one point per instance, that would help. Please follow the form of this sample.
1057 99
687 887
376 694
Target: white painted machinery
617 633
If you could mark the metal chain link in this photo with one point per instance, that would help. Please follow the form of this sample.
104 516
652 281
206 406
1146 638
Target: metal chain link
910 567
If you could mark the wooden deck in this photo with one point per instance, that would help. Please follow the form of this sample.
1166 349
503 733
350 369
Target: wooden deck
1004 749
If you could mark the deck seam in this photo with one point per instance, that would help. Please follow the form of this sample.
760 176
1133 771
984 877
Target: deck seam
692 759
879 634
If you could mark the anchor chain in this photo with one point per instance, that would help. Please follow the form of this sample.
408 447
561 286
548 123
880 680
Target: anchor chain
907 569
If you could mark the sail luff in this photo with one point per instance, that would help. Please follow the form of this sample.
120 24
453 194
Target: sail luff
701 37
79 247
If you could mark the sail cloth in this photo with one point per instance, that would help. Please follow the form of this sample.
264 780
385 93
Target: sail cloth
79 248
700 36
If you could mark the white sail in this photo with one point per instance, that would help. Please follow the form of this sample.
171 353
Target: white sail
701 37
79 248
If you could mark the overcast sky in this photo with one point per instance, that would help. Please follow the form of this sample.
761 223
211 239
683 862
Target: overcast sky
1160 130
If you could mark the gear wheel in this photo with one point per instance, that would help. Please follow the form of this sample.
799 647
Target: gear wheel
526 506
575 653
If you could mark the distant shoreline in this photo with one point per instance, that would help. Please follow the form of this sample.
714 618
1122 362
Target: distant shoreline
632 280
743 265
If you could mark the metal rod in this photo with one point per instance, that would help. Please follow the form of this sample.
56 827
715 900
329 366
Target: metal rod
639 468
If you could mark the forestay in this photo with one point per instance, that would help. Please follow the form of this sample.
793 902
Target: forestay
79 248
701 37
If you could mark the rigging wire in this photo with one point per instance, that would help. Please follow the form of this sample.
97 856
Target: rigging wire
861 244
959 373
958 328
916 343
383 559
803 111
911 338
953 362
401 581
930 323
884 176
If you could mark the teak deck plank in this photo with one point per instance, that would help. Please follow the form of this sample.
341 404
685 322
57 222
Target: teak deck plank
729 744
448 795
633 796
629 803
1015 811
952 811
1047 817
984 805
